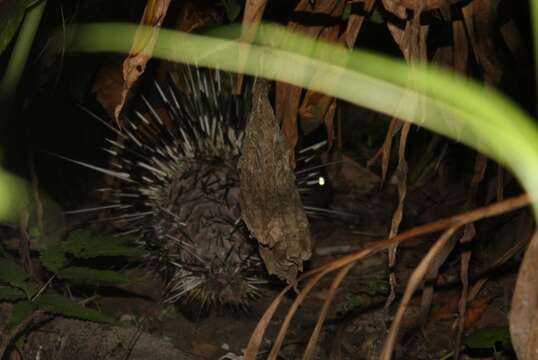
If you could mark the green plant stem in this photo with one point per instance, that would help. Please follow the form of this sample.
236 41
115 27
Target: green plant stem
18 59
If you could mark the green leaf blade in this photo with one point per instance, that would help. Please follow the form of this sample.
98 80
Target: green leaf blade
53 258
8 293
13 274
57 304
85 245
21 311
85 275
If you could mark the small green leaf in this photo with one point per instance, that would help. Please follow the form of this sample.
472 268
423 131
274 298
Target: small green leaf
13 192
487 338
10 19
83 274
20 311
233 9
13 274
60 305
21 339
347 11
8 293
85 245
3 252
53 258
377 17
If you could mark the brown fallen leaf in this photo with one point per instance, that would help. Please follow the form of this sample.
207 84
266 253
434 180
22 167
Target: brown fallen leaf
480 17
355 21
108 85
142 48
252 16
318 108
288 97
448 311
461 47
270 202
425 4
206 350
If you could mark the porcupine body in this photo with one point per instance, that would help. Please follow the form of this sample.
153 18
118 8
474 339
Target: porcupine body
177 157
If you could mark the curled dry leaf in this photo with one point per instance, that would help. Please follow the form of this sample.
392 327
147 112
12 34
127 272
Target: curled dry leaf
395 8
251 18
319 108
469 233
288 97
413 46
461 46
480 17
414 282
108 85
142 48
355 21
315 109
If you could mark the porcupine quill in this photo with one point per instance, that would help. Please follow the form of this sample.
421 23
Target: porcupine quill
177 165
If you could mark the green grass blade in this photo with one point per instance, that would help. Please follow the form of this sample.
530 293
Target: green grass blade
430 97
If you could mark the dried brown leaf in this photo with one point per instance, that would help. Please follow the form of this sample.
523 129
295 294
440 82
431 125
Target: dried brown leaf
252 16
316 109
414 282
384 152
311 347
433 272
424 4
524 227
355 21
270 202
480 17
256 338
401 176
453 221
469 233
319 108
513 39
461 46
288 97
524 312
444 56
205 350
277 345
397 33
287 100
142 47
108 85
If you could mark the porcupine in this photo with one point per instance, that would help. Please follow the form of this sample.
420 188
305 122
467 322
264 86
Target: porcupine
179 190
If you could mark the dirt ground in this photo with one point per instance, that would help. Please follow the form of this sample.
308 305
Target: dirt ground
356 325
